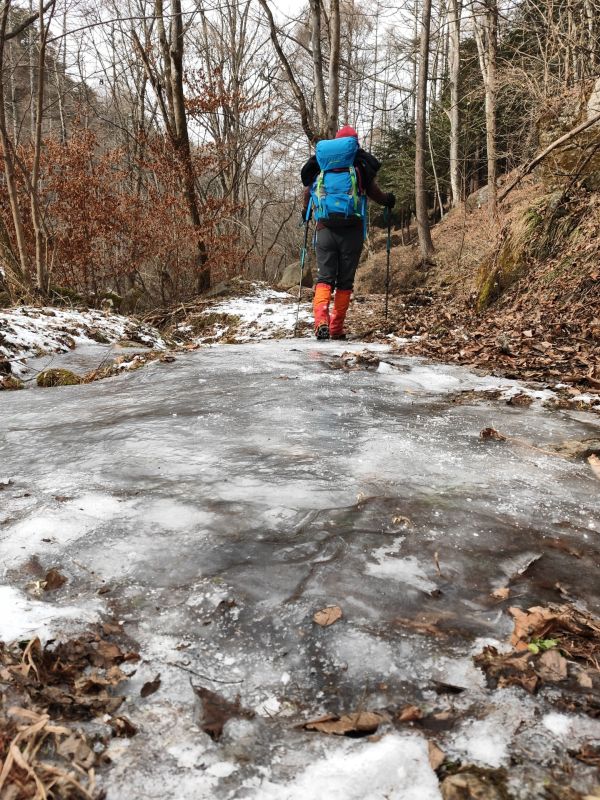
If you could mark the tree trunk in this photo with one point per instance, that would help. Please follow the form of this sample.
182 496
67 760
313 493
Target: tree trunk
454 13
425 242
17 270
334 68
486 35
317 55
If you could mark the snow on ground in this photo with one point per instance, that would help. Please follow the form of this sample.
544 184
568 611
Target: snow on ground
262 314
23 617
27 332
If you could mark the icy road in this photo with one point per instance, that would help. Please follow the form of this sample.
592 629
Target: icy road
215 504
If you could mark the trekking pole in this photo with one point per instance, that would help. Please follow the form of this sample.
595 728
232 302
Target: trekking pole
387 217
302 260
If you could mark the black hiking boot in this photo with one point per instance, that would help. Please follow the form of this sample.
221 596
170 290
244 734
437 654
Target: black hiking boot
322 332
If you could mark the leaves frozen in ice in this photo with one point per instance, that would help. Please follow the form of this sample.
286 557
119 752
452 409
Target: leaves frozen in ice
492 434
216 710
594 463
327 616
360 723
150 687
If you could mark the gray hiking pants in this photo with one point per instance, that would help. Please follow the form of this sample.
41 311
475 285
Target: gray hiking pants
338 254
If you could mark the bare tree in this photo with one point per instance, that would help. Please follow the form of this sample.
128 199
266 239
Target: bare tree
425 241
485 21
166 79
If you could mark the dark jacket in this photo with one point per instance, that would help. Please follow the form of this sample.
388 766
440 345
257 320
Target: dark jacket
367 167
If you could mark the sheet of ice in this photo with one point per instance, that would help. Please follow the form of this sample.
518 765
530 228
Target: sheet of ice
226 497
22 617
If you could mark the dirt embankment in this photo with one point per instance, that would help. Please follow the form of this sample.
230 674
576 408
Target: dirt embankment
519 295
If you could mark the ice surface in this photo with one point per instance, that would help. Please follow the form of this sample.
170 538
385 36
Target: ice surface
221 500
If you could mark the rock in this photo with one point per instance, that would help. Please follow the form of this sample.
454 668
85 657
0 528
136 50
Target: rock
291 274
469 786
5 367
57 377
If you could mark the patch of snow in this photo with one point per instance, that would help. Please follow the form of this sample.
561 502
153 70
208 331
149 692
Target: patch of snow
395 768
404 570
28 332
558 724
23 617
261 314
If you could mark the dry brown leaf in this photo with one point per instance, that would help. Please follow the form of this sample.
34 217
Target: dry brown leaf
217 710
436 756
502 593
364 722
150 687
594 463
585 681
410 714
532 622
492 434
123 727
327 616
53 580
551 666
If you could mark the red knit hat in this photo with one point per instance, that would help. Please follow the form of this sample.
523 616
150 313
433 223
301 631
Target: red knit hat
347 130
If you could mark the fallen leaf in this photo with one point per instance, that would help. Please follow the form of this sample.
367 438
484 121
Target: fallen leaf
362 722
216 711
520 399
551 666
468 786
150 687
410 714
53 580
594 463
327 616
123 727
585 681
527 623
447 688
492 434
502 593
436 756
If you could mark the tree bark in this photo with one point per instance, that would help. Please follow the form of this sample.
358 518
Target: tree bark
454 13
486 35
17 271
334 68
425 242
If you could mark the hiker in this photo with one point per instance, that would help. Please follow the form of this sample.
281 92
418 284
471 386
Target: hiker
337 180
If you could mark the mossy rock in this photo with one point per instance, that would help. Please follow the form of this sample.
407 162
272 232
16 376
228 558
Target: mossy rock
8 383
57 377
111 300
66 295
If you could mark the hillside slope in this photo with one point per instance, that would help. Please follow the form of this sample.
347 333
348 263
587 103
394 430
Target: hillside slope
520 296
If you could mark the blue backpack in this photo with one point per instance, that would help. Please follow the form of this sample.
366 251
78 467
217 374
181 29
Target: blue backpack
336 191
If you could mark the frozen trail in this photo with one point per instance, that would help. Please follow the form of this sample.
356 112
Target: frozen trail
224 498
